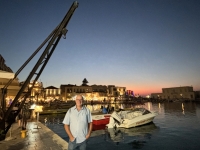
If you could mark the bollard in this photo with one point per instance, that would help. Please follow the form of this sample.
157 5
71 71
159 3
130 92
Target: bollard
23 133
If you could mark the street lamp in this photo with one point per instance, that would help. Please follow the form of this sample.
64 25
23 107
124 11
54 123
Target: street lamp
38 109
44 94
36 94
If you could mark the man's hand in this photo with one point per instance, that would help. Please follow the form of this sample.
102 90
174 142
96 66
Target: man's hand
72 139
67 129
87 136
90 130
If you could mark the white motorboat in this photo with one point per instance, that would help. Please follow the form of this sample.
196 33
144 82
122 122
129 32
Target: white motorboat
131 118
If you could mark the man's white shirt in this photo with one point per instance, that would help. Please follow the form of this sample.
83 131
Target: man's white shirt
78 122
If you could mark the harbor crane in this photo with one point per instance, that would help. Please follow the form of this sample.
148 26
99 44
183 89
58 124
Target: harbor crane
7 117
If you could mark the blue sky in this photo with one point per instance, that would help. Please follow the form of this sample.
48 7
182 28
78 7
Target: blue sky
143 45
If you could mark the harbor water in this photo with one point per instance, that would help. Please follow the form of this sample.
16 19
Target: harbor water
177 126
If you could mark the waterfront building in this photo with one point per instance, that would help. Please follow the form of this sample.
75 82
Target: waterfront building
65 92
156 95
176 93
37 92
52 93
5 75
129 95
116 92
99 92
69 90
12 90
93 92
197 95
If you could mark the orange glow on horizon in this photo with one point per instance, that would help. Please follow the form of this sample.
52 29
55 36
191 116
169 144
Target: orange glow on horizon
143 91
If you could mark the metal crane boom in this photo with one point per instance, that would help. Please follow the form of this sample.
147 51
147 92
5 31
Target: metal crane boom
53 39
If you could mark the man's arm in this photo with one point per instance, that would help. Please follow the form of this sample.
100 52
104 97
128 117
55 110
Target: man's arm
89 130
67 129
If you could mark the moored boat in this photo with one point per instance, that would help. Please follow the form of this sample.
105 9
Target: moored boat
101 119
132 118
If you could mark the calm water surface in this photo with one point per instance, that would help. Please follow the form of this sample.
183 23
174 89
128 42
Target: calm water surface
177 127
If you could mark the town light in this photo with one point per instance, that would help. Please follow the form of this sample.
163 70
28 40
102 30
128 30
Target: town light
33 106
38 108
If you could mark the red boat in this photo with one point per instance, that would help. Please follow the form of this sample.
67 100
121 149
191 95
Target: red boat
99 121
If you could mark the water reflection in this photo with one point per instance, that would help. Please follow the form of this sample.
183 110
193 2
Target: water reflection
98 107
131 136
176 122
183 109
52 119
176 108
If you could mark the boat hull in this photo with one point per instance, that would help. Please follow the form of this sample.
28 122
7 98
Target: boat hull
130 119
100 119
138 121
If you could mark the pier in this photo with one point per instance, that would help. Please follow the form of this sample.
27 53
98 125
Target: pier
35 138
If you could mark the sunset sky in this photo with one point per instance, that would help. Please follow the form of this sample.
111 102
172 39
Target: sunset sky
143 45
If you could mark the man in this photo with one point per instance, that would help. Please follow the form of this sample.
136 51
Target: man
78 124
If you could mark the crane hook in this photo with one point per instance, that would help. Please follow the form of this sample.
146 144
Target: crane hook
64 32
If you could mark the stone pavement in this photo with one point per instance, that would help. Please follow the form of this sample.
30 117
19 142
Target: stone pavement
38 137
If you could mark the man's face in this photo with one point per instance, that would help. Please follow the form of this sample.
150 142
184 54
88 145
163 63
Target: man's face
79 100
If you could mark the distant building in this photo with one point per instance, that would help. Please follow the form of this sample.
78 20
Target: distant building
183 92
37 92
197 95
52 93
156 95
129 93
99 92
65 92
69 90
116 92
93 92
89 92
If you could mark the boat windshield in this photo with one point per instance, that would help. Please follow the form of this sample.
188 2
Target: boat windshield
143 110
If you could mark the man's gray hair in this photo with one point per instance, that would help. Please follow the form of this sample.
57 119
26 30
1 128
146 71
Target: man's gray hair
74 98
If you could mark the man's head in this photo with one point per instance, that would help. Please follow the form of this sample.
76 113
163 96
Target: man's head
79 100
